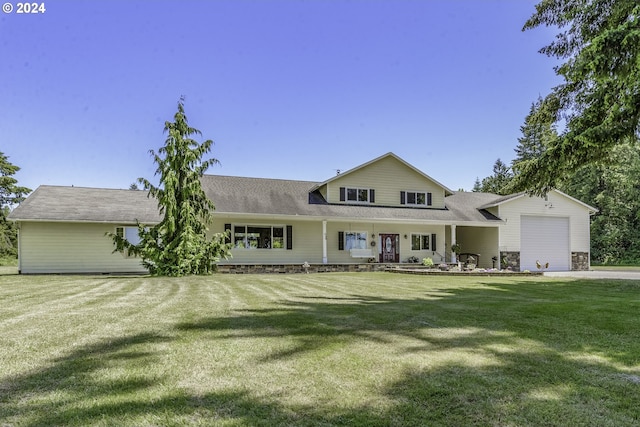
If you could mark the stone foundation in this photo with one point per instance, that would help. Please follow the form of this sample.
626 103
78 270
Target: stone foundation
580 261
512 258
298 268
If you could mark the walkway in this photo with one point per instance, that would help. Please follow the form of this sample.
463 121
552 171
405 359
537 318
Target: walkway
596 274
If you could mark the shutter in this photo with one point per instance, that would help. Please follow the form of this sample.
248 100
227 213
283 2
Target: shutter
289 237
372 195
429 202
433 241
343 195
403 197
227 228
341 240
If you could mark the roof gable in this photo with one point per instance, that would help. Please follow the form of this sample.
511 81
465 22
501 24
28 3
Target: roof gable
369 164
511 197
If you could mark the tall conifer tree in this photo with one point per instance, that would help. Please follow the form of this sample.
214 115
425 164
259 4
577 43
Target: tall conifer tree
179 245
598 102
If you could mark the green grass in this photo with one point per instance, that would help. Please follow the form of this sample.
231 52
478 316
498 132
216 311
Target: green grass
358 349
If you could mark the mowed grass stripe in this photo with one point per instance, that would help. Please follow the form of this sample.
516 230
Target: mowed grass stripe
319 350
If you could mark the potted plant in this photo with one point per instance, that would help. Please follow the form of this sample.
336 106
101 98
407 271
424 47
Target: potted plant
456 248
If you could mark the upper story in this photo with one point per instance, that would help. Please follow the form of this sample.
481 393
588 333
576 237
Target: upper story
385 181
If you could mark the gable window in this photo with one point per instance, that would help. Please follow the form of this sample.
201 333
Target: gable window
260 237
415 198
358 195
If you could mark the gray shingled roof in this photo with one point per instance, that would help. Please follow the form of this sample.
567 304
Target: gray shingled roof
236 195
285 197
54 203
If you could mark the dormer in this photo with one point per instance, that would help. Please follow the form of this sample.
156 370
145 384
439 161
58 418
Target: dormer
385 181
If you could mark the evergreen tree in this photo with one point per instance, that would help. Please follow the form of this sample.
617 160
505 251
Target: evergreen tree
599 99
496 183
536 136
179 245
612 187
10 194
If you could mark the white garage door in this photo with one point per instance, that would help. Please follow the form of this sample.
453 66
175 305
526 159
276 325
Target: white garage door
546 240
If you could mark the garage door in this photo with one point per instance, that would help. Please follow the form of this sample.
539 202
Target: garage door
544 239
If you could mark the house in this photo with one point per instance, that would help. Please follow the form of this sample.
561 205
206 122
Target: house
384 211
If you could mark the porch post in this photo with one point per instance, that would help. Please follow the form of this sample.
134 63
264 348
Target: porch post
453 242
324 242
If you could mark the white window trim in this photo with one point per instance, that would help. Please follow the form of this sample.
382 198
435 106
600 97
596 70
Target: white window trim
406 197
358 190
366 238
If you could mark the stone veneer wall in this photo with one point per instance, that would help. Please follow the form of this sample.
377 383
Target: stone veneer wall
580 261
298 268
513 260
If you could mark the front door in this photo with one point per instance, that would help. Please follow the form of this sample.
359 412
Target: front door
390 248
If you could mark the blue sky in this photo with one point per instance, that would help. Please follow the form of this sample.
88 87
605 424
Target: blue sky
286 89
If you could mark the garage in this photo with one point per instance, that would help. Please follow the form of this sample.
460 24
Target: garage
545 239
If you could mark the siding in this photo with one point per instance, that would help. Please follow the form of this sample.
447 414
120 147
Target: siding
562 207
388 177
342 256
307 243
479 240
71 248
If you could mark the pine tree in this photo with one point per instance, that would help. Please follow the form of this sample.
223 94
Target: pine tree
535 136
179 245
598 102
496 183
10 194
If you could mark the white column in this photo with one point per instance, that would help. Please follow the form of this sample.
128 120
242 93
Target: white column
453 242
324 242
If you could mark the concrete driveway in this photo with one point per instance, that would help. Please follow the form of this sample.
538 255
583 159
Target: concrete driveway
596 274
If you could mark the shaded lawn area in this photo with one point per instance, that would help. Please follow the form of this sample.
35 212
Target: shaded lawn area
363 349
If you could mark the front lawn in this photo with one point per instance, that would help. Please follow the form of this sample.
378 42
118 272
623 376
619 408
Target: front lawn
361 349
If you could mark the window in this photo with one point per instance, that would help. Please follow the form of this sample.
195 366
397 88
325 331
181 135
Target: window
130 234
417 198
420 242
258 237
358 195
355 240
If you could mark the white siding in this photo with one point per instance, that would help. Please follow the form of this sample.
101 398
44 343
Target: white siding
71 248
556 205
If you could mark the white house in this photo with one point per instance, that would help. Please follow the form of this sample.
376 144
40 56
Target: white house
384 211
